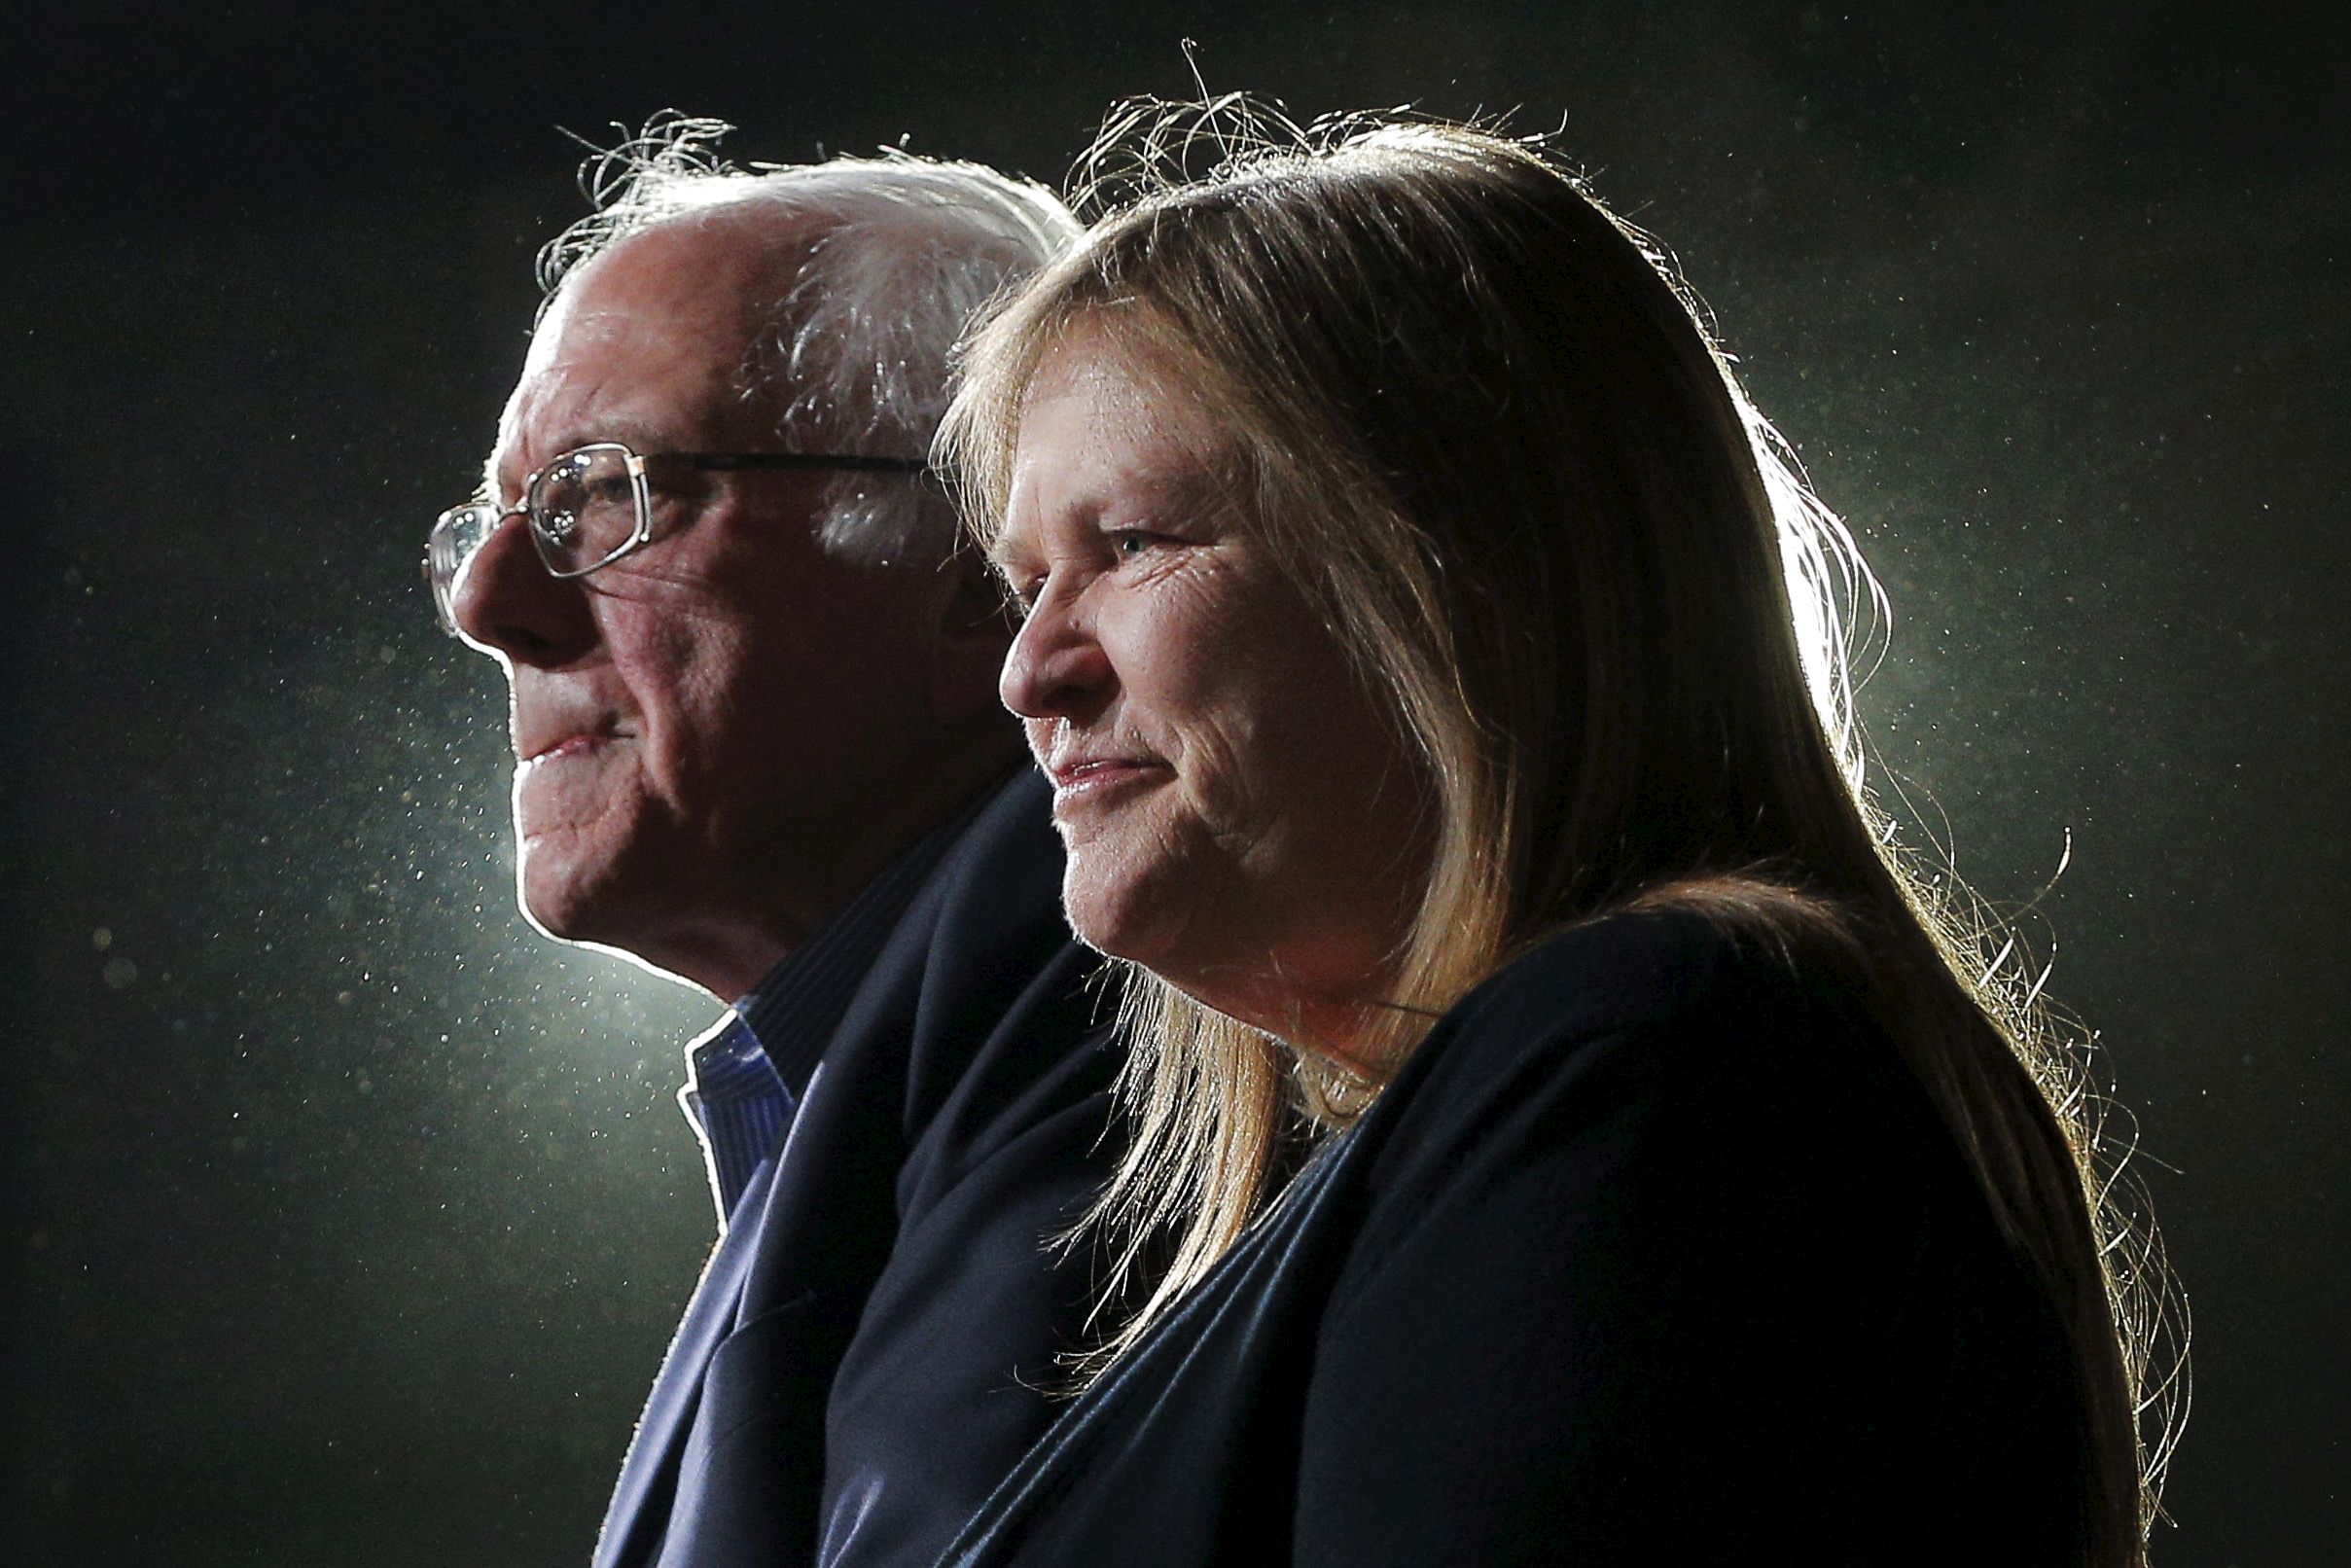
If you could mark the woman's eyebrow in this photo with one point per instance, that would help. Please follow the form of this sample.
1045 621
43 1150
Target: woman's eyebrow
995 553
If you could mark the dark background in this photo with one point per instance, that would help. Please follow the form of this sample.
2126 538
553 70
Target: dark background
349 1217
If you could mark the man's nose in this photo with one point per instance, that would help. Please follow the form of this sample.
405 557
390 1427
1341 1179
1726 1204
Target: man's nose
1055 667
506 601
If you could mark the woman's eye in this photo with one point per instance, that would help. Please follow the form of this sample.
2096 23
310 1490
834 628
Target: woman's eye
1023 591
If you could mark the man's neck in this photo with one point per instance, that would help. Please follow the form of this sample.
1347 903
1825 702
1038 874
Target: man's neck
728 956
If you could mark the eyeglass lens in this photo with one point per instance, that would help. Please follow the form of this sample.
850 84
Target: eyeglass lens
451 545
584 509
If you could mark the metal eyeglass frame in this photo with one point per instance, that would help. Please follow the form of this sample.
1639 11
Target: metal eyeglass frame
446 553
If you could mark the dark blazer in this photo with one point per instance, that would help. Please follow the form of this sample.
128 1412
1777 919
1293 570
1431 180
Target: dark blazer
1652 1254
860 1363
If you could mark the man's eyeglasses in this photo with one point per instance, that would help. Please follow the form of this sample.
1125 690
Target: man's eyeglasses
591 506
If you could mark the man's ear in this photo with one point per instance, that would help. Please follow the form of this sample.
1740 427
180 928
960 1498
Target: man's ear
967 650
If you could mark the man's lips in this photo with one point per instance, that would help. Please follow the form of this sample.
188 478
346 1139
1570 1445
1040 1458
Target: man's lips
571 745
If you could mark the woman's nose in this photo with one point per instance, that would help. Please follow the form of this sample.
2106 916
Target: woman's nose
1055 667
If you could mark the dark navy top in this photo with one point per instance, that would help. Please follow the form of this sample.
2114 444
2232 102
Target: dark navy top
1654 1253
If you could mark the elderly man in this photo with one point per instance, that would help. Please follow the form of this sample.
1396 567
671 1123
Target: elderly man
759 748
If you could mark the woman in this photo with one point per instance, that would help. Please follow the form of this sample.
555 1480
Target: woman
1565 1132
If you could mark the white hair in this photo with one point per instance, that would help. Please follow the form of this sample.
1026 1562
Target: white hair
854 348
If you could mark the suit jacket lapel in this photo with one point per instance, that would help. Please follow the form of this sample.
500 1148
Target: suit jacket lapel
640 1499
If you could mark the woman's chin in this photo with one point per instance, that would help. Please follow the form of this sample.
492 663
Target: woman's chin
1103 926
1138 918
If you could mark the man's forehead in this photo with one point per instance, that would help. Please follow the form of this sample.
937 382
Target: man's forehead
649 338
685 289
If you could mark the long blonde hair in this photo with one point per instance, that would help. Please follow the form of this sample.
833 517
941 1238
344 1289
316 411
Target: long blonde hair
1484 426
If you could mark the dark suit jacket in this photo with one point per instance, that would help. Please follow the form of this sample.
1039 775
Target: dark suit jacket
860 1362
1652 1254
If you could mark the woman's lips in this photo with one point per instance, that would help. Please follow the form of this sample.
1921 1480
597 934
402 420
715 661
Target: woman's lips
1091 776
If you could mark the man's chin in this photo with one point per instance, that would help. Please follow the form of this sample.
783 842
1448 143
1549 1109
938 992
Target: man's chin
618 902
562 898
